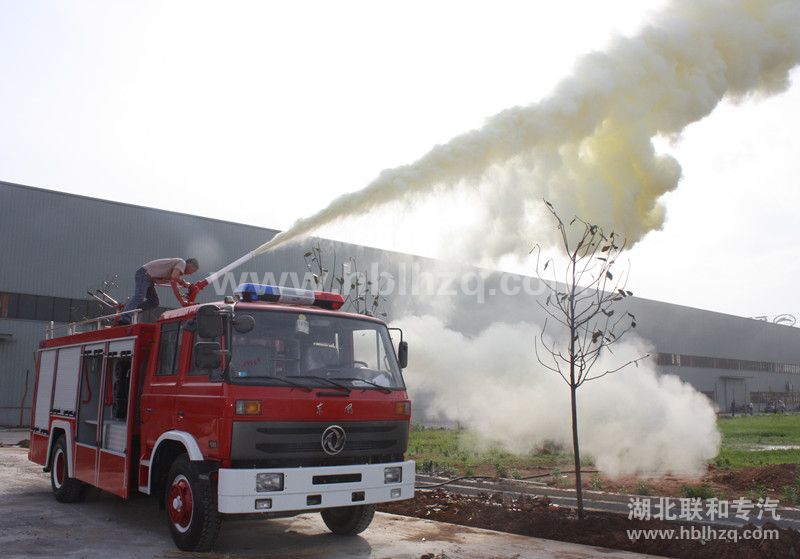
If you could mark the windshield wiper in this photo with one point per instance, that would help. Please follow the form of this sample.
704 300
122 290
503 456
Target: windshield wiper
292 383
375 384
279 379
329 381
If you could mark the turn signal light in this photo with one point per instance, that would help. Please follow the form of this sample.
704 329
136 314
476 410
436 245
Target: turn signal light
402 408
248 407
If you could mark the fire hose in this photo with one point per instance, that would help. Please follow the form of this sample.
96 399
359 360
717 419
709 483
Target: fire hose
195 288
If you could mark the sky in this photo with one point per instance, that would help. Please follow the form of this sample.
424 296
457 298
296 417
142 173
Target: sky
204 107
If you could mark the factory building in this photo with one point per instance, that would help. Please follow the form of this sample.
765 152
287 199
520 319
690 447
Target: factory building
55 248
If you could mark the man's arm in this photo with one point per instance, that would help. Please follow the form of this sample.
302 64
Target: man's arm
177 276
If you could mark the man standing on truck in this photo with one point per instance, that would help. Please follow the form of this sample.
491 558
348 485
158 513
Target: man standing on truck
161 271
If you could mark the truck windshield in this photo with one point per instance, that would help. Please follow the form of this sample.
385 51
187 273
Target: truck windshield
287 348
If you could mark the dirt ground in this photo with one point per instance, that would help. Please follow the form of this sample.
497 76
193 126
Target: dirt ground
539 518
726 484
758 481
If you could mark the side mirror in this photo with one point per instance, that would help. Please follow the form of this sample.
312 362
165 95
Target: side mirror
210 355
402 354
244 323
209 322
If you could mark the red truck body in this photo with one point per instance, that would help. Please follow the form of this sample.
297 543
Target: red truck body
127 409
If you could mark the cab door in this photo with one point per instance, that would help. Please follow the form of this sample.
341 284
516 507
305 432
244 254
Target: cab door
199 402
114 452
158 396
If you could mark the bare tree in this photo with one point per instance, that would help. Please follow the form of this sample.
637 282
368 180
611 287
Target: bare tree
582 299
361 294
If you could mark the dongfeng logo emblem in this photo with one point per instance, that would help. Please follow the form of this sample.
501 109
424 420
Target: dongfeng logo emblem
333 439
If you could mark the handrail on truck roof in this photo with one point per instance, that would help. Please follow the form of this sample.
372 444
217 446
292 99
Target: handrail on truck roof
72 327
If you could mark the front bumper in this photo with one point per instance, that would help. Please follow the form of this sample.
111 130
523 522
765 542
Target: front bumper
237 494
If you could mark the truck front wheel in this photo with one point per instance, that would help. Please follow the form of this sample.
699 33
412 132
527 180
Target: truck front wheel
191 508
348 521
66 489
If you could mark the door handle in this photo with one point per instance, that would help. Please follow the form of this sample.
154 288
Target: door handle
148 410
180 415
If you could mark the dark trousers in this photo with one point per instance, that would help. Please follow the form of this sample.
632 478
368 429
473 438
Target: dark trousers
144 296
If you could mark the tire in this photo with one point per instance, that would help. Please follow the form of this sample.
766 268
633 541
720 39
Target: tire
65 488
191 505
348 521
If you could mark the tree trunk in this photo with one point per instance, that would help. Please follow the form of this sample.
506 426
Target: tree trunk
576 451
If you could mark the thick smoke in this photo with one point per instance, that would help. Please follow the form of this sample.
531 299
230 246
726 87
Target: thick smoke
634 421
588 147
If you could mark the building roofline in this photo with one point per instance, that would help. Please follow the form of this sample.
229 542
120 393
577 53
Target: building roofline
135 206
214 219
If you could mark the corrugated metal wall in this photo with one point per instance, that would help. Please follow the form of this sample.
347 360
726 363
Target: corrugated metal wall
691 331
16 363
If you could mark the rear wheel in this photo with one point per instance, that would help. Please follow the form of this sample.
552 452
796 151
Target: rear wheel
348 521
66 489
191 508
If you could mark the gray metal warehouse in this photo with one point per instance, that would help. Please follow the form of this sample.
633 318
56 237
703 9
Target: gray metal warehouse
55 247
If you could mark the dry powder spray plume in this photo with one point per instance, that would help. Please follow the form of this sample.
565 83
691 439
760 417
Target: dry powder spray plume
632 422
588 147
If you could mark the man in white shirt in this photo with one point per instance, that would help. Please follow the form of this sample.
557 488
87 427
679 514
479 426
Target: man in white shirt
161 271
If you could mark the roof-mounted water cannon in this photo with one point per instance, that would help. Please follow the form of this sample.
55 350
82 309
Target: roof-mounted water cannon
259 292
194 289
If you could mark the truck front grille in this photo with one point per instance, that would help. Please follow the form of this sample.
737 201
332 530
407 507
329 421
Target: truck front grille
300 443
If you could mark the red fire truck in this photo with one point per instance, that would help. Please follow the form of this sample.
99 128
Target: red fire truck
272 402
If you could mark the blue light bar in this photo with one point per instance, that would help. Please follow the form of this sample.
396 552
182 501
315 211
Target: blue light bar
250 292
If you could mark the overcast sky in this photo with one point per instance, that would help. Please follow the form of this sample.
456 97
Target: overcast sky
261 113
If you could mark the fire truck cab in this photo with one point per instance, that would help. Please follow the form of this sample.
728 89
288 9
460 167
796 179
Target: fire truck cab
273 402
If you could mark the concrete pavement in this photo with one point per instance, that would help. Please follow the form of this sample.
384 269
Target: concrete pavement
33 524
10 436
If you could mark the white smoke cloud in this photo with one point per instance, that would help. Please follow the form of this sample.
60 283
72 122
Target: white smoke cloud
588 148
634 421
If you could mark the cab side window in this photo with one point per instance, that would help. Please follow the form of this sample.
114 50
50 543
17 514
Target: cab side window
169 349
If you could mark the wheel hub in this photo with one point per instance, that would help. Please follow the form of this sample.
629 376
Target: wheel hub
180 503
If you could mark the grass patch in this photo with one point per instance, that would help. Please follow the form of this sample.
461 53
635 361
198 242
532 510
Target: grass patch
703 491
642 489
791 494
752 431
743 438
462 452
731 458
501 470
757 491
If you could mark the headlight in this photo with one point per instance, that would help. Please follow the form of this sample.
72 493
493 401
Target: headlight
269 482
392 475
